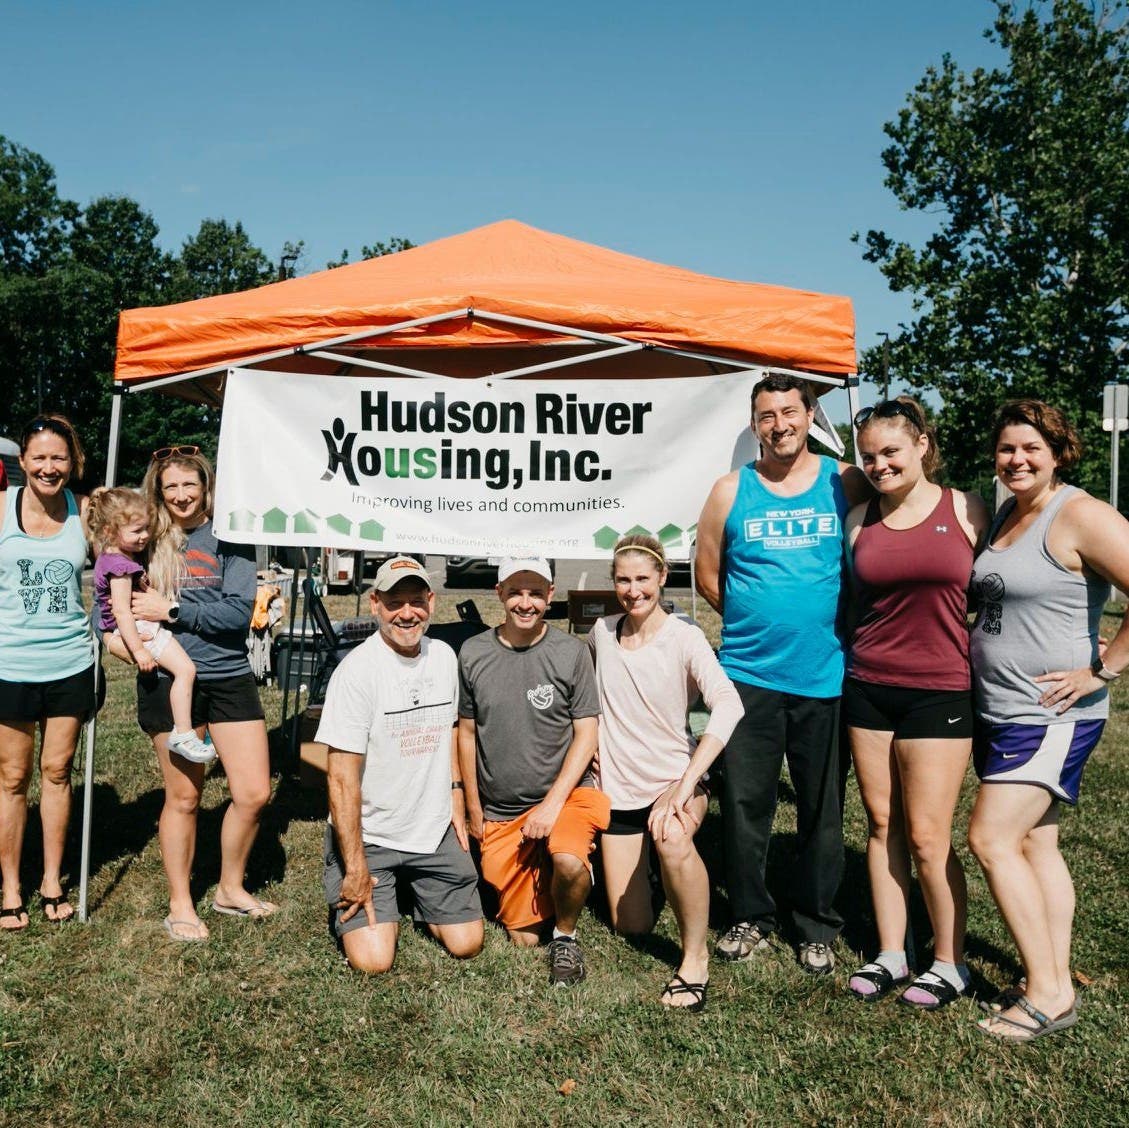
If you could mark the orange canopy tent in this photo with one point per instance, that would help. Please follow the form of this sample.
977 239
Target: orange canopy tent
502 300
507 269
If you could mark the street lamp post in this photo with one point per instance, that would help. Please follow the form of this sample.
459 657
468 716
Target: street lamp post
1115 419
885 365
285 265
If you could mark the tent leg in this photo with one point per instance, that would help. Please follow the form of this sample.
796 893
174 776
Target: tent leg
92 724
694 582
294 591
115 437
88 792
853 406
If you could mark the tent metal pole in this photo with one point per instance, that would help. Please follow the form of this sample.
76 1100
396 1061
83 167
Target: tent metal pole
587 358
381 366
92 725
297 350
853 406
548 326
88 790
115 435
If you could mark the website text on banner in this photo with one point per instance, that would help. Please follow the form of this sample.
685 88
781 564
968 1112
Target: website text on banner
473 467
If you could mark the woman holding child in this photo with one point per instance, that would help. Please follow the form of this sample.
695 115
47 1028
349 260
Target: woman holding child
650 666
46 656
209 616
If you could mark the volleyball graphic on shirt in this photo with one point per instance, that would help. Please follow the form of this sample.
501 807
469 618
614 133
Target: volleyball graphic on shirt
541 697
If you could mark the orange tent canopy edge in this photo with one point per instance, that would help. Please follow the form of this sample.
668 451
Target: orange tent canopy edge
508 268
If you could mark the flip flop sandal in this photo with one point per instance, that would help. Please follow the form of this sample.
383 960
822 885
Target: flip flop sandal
54 903
1044 1024
940 991
176 930
881 978
16 911
257 911
1006 998
679 986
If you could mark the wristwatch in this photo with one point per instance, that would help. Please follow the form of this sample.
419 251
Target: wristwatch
173 613
1099 670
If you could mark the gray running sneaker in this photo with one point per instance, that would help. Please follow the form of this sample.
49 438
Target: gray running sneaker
817 959
741 941
566 962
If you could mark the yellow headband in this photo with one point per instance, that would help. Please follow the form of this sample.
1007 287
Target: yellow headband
641 548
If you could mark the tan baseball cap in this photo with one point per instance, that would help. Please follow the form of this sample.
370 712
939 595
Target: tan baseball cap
391 572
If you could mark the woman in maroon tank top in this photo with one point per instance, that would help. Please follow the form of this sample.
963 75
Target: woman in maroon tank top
907 697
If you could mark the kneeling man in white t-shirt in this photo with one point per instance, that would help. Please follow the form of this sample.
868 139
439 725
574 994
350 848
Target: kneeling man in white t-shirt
396 809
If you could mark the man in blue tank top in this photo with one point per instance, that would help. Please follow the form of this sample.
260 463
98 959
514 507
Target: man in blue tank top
770 562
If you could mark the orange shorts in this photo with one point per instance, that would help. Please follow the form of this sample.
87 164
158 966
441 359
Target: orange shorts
521 870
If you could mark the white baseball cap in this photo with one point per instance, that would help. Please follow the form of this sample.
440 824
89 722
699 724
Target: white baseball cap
513 564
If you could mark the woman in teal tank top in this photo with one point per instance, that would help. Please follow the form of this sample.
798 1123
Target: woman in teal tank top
46 656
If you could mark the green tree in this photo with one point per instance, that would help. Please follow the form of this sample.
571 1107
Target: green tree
1024 287
34 220
395 244
219 259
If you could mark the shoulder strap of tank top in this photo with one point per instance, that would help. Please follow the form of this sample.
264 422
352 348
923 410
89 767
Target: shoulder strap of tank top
1048 515
998 520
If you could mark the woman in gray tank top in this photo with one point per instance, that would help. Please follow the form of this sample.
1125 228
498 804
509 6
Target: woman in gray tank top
1042 697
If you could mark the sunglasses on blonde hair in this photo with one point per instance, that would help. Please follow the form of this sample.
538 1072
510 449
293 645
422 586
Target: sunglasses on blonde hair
167 452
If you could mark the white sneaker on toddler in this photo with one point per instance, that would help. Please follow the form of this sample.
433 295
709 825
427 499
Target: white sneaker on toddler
190 747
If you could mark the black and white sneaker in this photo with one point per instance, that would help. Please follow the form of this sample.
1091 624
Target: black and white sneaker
566 961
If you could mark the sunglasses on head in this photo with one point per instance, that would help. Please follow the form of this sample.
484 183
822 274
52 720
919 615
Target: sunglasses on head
38 425
167 452
887 409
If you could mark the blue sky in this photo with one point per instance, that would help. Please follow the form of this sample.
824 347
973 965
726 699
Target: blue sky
740 140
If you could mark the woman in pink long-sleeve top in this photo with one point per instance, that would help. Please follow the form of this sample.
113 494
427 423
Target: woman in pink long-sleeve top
650 667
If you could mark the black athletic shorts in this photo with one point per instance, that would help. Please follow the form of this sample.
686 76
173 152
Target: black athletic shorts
910 714
213 701
634 820
71 696
629 821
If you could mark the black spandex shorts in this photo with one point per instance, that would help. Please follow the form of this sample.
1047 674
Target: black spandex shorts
72 696
213 701
634 821
629 821
910 714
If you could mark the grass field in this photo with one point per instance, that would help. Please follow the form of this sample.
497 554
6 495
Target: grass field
111 1023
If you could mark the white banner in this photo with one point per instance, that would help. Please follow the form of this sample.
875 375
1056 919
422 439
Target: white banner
474 467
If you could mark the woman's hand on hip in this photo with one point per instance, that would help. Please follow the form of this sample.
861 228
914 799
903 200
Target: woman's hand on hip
1065 687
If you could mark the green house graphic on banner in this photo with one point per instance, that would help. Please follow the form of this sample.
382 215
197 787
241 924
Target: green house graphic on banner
306 522
274 521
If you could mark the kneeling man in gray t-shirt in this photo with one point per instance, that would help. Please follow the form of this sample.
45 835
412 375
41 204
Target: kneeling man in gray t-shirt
528 715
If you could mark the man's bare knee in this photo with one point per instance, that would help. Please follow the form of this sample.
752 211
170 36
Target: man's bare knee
369 952
463 941
570 868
